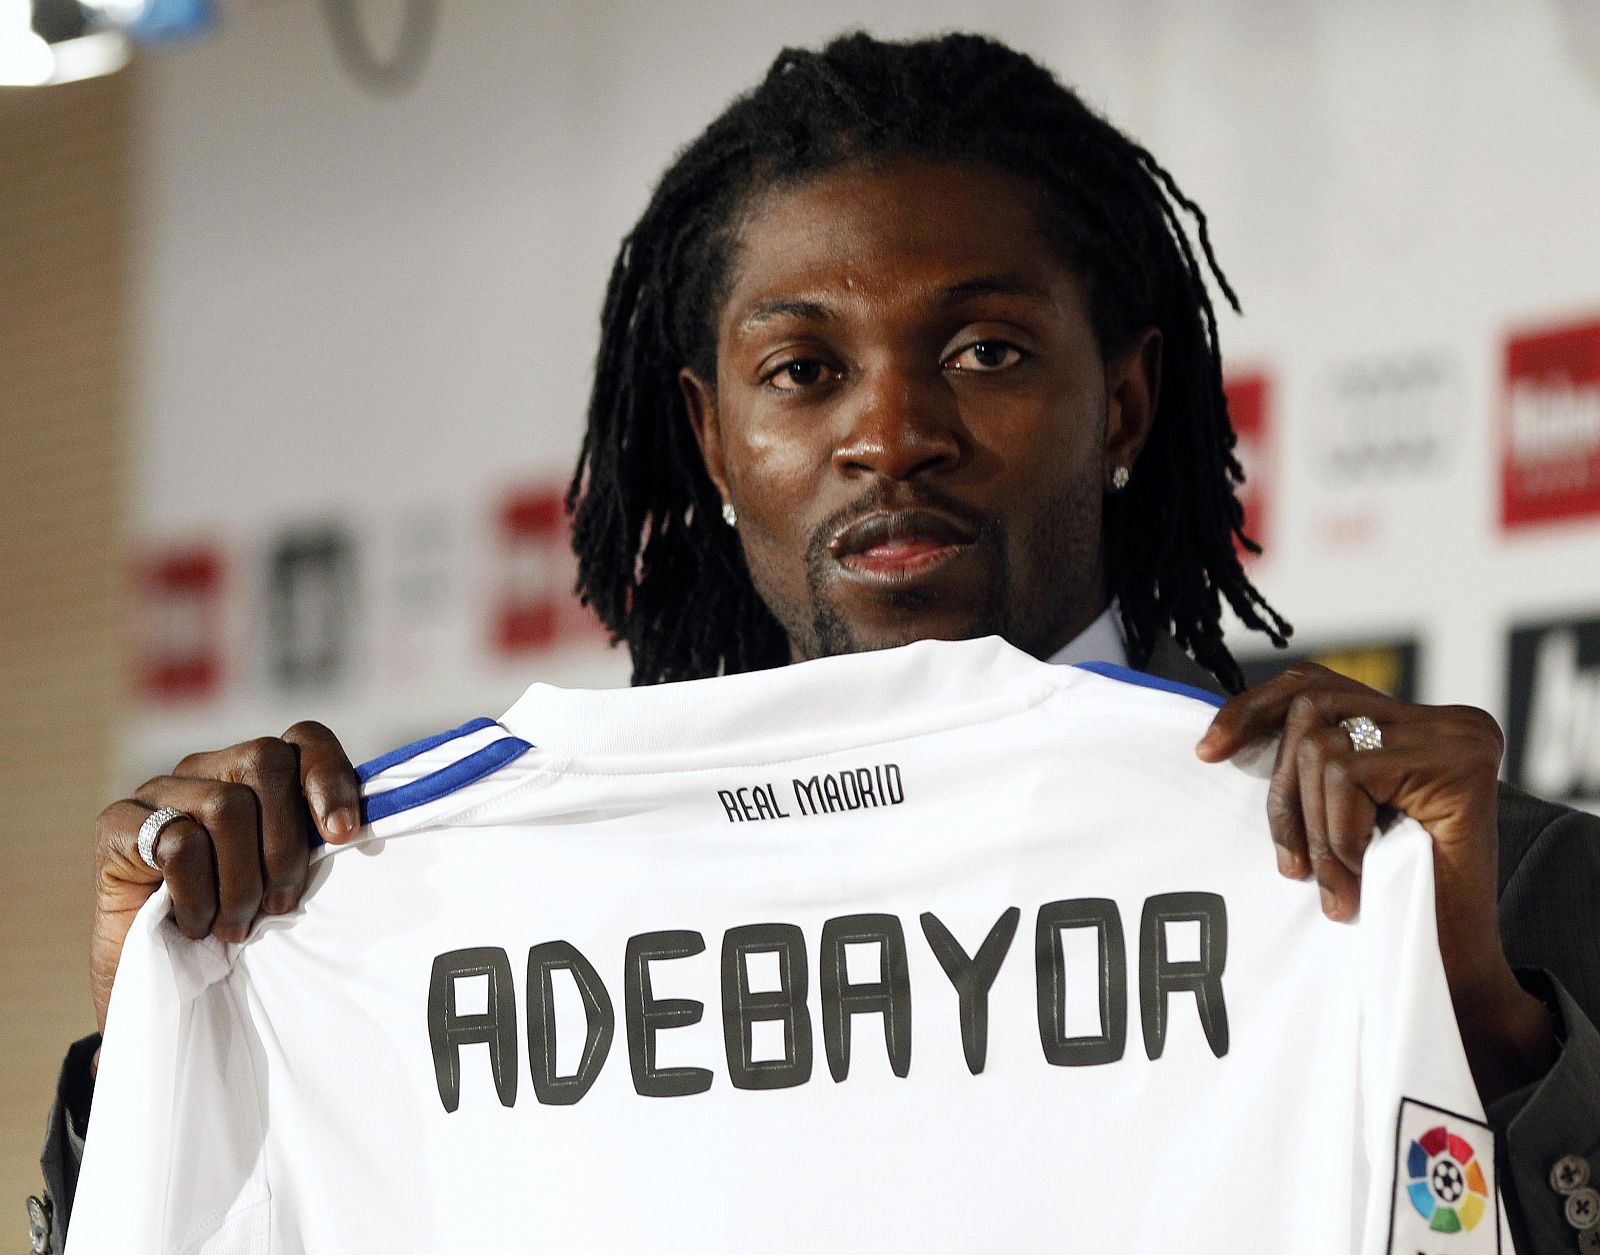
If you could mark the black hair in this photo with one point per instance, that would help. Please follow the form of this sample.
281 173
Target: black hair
655 561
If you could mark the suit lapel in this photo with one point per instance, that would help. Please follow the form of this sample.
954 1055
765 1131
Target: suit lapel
1169 662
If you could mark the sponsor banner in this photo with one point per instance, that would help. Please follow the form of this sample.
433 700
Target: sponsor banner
537 607
419 570
1390 666
1250 409
1396 417
179 650
311 593
1445 1199
1553 725
1550 429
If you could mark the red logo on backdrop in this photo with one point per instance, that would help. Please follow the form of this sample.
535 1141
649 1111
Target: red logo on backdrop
1550 436
1250 408
538 608
180 649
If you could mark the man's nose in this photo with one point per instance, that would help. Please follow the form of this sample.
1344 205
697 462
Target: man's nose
901 423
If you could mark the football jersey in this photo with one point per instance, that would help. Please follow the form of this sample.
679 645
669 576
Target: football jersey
939 948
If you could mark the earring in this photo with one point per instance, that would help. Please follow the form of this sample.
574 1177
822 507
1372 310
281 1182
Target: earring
1120 476
730 516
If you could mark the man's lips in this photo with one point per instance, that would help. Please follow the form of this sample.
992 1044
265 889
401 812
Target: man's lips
899 545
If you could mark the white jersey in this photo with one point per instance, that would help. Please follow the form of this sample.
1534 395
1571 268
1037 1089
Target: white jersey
937 949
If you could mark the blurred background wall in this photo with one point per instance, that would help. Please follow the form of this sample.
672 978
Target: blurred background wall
310 467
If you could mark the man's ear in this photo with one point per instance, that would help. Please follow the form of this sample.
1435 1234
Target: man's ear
700 399
1133 390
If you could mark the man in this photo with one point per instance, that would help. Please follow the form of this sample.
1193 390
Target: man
910 344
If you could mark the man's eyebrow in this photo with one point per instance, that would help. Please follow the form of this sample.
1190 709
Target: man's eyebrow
784 307
992 285
955 294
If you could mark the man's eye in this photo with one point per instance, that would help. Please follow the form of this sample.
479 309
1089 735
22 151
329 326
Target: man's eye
986 355
792 376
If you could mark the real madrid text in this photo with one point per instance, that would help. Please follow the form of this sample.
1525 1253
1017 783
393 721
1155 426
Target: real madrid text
826 793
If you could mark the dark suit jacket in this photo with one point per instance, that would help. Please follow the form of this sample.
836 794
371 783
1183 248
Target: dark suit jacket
1549 921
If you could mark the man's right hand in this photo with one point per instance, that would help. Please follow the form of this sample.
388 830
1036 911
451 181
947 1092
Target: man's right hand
254 809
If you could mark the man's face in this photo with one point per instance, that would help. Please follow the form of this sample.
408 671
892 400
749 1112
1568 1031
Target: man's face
911 414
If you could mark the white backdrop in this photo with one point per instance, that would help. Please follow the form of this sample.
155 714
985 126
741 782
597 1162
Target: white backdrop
381 311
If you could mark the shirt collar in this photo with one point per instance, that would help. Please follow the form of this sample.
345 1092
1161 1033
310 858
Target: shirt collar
827 704
1101 641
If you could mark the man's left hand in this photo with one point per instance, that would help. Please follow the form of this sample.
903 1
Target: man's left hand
1437 764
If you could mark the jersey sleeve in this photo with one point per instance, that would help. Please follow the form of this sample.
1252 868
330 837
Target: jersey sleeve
437 777
1429 1151
174 1159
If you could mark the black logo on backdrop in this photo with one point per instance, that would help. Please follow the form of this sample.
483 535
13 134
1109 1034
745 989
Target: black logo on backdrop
1388 417
1553 733
1388 666
310 591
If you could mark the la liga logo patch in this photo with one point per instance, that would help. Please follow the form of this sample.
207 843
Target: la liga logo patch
1447 1185
1444 1201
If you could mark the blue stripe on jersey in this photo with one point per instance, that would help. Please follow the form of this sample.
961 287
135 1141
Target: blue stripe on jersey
1129 676
432 787
405 753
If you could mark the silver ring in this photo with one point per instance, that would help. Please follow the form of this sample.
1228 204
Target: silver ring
150 831
1364 734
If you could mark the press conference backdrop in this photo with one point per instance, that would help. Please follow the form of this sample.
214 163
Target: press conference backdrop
368 322
364 322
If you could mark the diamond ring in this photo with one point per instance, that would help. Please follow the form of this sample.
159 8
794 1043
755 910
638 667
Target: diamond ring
150 830
1364 734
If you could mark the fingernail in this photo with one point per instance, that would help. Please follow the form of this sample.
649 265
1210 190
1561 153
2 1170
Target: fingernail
1288 863
342 822
1330 903
280 902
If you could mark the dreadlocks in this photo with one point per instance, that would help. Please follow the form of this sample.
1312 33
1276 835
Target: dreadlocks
654 562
